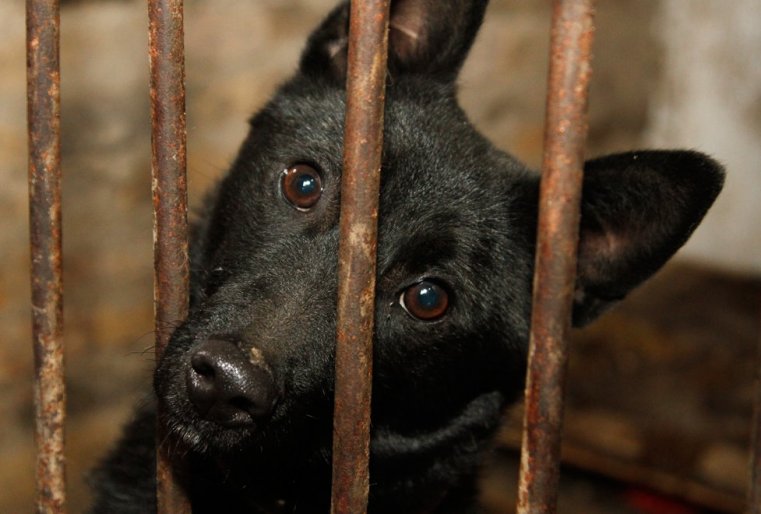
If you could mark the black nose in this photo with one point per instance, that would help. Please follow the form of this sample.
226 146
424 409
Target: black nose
226 387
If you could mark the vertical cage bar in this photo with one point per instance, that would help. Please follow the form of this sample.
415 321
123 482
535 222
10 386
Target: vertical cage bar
557 241
754 485
170 232
363 143
44 123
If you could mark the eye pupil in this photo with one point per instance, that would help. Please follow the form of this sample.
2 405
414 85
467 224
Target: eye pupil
306 184
301 186
428 297
425 300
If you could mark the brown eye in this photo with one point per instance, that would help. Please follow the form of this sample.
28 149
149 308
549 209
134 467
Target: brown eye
425 300
301 185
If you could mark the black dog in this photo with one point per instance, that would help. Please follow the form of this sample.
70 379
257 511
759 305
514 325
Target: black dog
247 379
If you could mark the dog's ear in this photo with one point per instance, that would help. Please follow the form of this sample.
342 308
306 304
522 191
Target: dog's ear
637 209
428 37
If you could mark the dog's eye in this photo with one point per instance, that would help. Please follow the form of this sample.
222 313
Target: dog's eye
301 185
425 300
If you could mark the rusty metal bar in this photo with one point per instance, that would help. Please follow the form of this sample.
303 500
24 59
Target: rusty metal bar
557 241
754 485
170 231
44 121
360 184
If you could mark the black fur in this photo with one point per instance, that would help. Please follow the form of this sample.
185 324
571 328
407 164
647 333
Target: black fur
454 209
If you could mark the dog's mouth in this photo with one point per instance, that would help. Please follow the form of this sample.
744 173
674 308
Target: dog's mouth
297 417
294 428
217 394
218 432
202 436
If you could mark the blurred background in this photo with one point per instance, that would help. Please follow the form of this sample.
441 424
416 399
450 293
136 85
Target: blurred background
659 406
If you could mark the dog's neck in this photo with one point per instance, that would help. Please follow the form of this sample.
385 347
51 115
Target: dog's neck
413 474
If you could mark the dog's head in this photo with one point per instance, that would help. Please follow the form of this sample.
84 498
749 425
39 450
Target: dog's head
252 367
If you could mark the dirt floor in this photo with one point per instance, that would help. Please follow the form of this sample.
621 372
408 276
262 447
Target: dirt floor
659 396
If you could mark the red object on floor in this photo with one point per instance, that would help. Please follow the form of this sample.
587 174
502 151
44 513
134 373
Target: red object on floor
649 502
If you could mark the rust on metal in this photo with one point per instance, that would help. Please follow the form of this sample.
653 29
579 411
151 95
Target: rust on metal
44 120
754 485
170 232
363 143
557 241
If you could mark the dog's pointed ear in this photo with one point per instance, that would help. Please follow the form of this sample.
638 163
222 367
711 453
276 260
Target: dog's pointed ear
637 209
428 37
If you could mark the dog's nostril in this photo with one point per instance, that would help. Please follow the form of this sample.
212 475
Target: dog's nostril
201 365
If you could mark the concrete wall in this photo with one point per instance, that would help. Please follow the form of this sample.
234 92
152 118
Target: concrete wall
709 98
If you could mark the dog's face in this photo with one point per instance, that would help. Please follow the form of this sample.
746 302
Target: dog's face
252 367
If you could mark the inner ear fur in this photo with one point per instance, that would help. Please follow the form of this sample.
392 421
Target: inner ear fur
430 37
638 209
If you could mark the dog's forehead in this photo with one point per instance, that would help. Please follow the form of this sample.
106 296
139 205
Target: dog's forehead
434 160
434 157
427 179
